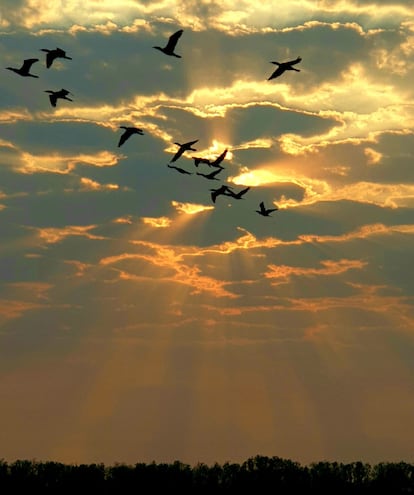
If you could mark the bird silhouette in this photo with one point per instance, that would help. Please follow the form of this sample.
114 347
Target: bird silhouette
53 54
168 49
55 95
238 195
24 70
198 160
179 169
217 192
265 211
282 67
129 131
218 160
211 175
183 147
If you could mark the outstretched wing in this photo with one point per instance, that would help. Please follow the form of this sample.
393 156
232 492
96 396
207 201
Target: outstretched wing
213 174
53 99
177 155
123 138
294 62
28 63
219 159
173 39
49 59
280 70
179 169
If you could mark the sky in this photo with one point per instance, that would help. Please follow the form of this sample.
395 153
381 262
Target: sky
139 320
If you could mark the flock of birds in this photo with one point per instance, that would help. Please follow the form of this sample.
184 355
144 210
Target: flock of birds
168 49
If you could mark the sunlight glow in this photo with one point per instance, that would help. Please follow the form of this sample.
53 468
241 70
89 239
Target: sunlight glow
160 222
190 208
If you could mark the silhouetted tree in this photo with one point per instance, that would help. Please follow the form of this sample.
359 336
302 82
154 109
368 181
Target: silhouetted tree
258 475
395 478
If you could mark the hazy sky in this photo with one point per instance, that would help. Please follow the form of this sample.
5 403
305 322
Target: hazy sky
139 320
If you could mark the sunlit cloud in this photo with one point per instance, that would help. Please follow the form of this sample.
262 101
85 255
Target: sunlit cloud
10 309
190 208
80 267
60 164
126 219
91 185
198 16
53 235
283 273
38 290
373 157
160 222
10 116
378 304
169 259
316 190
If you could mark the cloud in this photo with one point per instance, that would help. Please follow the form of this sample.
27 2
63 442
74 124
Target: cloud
329 268
190 208
91 185
160 222
52 235
373 157
59 164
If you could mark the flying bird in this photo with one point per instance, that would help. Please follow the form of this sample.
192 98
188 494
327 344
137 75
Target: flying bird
284 66
211 175
129 131
168 49
183 147
24 70
55 95
265 211
179 169
238 195
219 159
53 54
221 190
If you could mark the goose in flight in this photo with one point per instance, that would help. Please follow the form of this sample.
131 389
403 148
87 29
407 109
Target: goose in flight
265 211
129 131
238 195
284 66
24 70
221 190
179 169
218 160
212 175
54 95
168 49
183 147
53 54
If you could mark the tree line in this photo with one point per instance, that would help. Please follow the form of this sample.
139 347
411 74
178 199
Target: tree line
256 475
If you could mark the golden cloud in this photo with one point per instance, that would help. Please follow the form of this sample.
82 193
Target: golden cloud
37 290
160 222
80 267
329 268
61 164
10 309
52 235
190 208
373 157
127 219
171 260
91 185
